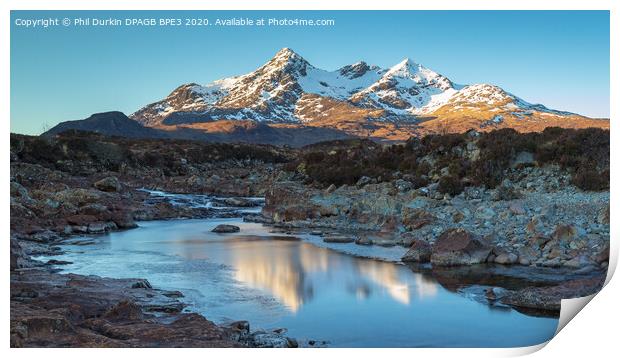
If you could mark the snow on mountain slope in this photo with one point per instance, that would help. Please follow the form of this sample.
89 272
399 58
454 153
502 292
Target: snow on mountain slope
488 98
288 89
407 88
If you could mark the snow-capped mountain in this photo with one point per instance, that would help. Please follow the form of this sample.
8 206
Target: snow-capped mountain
288 89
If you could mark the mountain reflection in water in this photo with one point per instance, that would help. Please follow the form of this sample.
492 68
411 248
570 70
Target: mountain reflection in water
290 271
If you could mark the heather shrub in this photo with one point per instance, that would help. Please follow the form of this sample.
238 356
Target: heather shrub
588 178
450 184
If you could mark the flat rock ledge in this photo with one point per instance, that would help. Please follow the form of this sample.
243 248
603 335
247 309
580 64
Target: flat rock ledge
67 310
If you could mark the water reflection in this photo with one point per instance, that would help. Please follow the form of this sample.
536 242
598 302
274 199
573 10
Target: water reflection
293 271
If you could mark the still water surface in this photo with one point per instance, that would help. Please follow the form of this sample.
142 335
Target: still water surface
314 292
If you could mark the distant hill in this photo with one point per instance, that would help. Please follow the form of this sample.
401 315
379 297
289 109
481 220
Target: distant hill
227 131
108 123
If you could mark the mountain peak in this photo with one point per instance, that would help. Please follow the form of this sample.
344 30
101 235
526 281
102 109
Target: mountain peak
286 60
286 51
287 54
404 68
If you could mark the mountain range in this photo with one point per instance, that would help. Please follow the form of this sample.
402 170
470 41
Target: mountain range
289 101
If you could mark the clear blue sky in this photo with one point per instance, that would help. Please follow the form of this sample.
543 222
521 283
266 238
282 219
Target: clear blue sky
558 58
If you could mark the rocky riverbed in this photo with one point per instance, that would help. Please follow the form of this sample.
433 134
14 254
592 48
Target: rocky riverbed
480 239
53 203
535 220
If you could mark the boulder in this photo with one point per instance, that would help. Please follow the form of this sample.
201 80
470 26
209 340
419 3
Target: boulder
142 283
239 202
459 247
225 228
123 220
527 255
420 251
101 227
415 218
123 311
506 259
578 262
293 212
110 184
77 197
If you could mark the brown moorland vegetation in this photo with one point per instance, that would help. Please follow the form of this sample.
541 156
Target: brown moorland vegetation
459 160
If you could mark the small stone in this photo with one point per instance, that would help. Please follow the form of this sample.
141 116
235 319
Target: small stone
142 284
384 243
338 239
363 241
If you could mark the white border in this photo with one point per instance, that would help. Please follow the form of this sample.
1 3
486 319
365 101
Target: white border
593 330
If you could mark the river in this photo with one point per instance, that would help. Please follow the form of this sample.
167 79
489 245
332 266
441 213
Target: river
316 293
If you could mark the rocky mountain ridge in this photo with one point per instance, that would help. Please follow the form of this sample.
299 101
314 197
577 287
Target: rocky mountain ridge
288 101
288 88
